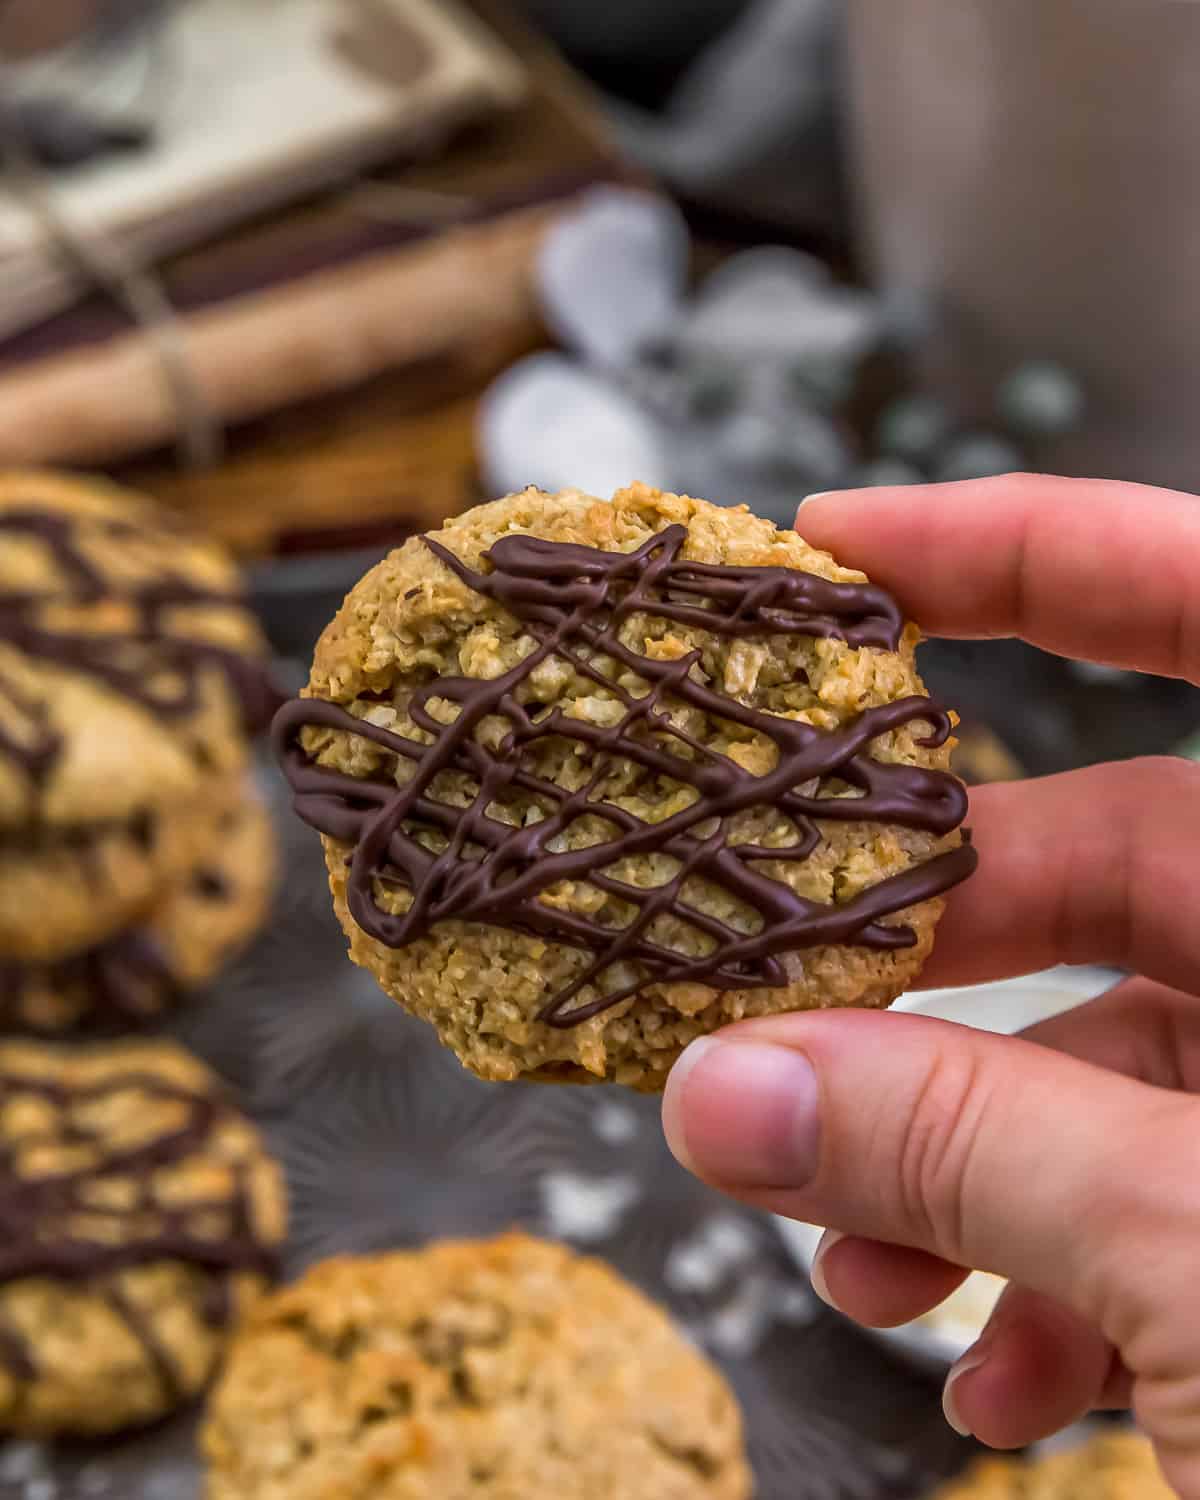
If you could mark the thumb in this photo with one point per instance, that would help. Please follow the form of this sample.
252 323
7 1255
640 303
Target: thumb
991 1152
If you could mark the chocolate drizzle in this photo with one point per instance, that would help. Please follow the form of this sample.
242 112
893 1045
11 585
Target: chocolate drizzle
38 1237
37 749
127 981
574 600
147 664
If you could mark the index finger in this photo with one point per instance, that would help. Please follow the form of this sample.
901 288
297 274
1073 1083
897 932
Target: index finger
1081 567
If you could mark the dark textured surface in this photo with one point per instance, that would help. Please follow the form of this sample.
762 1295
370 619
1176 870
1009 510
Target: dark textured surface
387 1141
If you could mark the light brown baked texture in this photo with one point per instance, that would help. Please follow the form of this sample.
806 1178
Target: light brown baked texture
88 838
505 1369
104 1323
1113 1466
206 913
411 619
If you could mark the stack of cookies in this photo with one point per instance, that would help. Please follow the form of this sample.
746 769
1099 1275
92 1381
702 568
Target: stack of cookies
139 1211
134 854
140 1217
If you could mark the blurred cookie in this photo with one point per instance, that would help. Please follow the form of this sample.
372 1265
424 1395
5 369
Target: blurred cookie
130 669
505 1368
1114 1466
207 912
981 756
596 778
139 1216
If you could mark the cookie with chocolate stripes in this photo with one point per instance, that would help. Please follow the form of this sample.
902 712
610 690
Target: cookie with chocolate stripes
596 778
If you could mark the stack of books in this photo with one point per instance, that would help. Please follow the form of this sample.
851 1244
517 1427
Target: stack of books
335 191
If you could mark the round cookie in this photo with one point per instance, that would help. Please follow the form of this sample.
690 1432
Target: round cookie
497 1370
140 1216
130 669
596 778
1112 1466
207 913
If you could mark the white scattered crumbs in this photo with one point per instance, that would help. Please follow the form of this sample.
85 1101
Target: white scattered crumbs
615 1124
700 1264
587 1209
21 1461
741 1324
732 1239
93 1480
176 1483
691 1267
797 1306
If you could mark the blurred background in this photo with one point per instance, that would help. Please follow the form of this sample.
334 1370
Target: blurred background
753 248
318 273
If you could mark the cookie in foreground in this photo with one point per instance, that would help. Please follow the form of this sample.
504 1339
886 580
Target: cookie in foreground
595 778
504 1368
139 1216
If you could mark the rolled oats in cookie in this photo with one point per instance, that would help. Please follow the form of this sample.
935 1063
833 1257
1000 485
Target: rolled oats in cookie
140 1215
595 778
130 671
204 915
499 1370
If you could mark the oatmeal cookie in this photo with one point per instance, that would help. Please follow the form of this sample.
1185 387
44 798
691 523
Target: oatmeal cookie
130 669
595 778
1113 1466
206 913
139 1216
498 1370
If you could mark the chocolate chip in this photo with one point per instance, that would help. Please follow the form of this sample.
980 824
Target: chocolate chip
143 830
211 885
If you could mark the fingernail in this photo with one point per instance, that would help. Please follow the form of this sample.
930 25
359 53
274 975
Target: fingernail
816 1273
672 1104
971 1360
743 1113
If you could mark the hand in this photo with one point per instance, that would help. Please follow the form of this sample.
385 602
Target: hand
1069 1159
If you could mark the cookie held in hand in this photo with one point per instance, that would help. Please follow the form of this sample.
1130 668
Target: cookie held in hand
597 778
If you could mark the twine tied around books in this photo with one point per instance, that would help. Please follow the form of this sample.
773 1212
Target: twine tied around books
115 272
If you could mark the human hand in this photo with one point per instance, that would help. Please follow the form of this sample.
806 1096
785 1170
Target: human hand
1067 1160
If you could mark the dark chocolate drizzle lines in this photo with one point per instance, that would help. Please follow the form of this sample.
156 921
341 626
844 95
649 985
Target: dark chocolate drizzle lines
37 1237
574 600
127 982
158 1356
37 748
148 664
